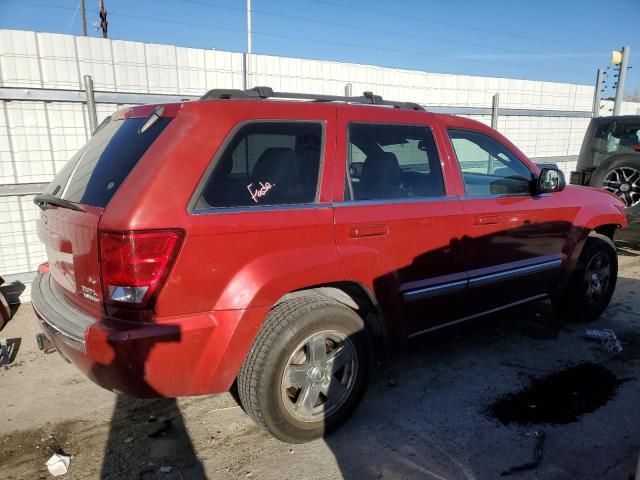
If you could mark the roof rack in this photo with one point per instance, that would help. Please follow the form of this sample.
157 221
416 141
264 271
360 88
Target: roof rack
367 98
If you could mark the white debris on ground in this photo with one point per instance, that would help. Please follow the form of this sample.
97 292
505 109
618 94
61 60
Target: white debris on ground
607 337
58 464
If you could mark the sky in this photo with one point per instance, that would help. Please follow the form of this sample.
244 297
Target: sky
553 40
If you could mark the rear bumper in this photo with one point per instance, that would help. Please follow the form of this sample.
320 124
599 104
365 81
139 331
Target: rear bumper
179 356
580 177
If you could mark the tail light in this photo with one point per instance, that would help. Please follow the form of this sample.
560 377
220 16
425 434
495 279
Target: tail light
134 265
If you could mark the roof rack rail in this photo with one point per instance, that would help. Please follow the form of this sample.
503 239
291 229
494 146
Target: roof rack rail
367 98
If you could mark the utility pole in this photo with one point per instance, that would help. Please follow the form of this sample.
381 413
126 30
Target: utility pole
248 52
103 20
248 26
622 74
84 18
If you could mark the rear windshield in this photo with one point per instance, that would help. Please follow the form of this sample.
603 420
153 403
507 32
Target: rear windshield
96 172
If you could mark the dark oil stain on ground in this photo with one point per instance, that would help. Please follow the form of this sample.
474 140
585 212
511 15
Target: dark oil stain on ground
558 398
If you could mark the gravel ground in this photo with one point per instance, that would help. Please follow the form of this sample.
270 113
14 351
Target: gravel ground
425 415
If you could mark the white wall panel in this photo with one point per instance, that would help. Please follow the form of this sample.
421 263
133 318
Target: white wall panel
192 78
28 128
95 59
58 61
13 246
67 130
19 59
223 69
130 66
6 162
162 68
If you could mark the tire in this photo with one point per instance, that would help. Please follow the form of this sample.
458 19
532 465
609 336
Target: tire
322 386
585 297
616 171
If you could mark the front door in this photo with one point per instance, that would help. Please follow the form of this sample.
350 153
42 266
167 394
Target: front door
515 238
398 229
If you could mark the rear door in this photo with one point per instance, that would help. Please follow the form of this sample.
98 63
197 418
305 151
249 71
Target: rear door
88 182
398 226
514 249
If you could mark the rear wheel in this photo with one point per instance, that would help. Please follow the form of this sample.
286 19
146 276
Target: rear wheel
592 282
307 369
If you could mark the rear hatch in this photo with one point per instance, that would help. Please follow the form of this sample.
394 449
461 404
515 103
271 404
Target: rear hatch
74 201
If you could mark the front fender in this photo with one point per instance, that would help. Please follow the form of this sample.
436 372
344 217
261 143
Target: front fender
594 207
597 208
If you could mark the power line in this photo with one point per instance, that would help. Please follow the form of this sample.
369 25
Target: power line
308 39
350 26
439 22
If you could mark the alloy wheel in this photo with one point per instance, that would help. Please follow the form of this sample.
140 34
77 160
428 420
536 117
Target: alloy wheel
625 183
319 376
597 278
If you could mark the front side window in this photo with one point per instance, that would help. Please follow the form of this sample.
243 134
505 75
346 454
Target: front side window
487 166
266 163
392 162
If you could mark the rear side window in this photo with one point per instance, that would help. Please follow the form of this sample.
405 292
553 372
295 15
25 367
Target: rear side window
392 162
96 172
266 163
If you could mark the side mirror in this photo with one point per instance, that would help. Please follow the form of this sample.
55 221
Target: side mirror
550 180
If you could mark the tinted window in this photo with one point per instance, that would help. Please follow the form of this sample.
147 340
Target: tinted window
96 172
266 163
614 138
392 161
488 167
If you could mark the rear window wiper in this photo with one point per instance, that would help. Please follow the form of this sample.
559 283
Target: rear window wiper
45 200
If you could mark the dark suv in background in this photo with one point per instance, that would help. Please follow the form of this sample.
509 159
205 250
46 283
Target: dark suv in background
610 159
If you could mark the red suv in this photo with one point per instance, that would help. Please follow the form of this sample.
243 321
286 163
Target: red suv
279 243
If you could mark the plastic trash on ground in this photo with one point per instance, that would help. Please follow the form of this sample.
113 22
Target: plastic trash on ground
607 337
58 464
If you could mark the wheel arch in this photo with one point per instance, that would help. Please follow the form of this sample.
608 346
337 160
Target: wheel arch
606 229
607 163
354 295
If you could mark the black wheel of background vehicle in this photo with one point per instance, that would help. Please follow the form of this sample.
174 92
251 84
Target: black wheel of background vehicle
621 175
307 370
592 283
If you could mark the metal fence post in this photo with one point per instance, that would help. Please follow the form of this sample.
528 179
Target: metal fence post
91 103
245 76
348 90
596 94
494 111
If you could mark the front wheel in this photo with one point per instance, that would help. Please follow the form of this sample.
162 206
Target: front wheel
592 282
307 369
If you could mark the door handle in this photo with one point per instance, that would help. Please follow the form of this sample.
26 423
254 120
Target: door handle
486 220
358 231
